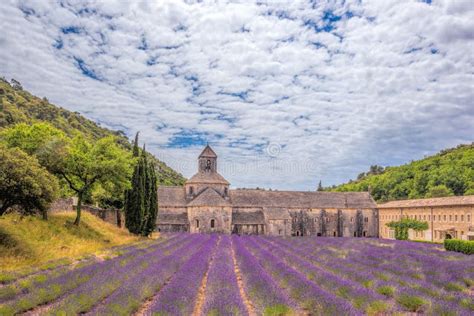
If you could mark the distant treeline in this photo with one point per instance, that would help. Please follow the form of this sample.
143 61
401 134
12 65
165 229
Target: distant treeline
450 172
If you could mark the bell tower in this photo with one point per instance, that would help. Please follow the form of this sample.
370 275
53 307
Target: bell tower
208 161
207 177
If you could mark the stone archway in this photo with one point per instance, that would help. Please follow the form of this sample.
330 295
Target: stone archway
448 236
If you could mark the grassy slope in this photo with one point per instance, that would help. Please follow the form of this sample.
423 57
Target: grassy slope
20 106
54 239
453 168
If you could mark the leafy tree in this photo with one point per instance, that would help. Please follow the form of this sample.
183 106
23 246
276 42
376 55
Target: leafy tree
84 164
24 183
402 226
439 191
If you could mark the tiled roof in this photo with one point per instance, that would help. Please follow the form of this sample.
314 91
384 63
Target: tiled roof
207 177
248 218
171 218
209 197
208 153
299 199
171 196
175 196
276 213
442 201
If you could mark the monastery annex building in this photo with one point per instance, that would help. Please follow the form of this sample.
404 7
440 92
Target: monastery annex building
206 204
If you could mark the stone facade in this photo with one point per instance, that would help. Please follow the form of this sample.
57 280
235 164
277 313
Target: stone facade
447 217
207 204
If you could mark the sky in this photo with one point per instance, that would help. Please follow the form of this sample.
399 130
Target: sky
288 93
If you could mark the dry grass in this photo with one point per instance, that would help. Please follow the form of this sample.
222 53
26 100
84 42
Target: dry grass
31 241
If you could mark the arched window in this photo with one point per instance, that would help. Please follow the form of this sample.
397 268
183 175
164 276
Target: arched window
225 191
197 223
191 190
212 223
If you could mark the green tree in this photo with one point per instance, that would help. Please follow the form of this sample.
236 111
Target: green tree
151 199
135 197
84 164
141 205
320 186
438 191
24 183
402 226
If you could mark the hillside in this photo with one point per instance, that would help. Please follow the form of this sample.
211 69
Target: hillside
450 172
19 106
54 239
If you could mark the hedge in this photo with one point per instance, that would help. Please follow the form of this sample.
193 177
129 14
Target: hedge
464 246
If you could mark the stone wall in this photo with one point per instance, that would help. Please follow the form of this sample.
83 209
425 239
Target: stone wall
115 217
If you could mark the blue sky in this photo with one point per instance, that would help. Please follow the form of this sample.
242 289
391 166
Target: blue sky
287 92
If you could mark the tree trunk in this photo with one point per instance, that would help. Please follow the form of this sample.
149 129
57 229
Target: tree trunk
4 208
78 209
45 214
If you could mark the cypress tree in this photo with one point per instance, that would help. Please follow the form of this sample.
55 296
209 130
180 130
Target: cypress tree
151 206
135 197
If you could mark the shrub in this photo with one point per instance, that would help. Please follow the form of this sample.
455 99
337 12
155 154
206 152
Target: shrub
411 303
463 246
386 290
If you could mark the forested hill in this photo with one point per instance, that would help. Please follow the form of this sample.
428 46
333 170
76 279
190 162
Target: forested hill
19 106
450 172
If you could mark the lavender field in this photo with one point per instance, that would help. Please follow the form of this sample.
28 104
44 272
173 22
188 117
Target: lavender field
184 274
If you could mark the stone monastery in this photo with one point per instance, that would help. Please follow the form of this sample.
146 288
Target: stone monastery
206 204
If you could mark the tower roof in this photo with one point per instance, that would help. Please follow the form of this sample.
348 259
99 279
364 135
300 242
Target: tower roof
208 153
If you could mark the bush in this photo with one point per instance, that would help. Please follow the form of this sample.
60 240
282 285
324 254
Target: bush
411 303
463 246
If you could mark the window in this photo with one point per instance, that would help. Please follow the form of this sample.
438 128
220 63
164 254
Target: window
429 217
450 218
468 217
352 219
225 191
197 223
366 219
439 218
191 190
279 232
355 234
462 218
462 233
212 223
415 217
455 218
364 234
327 219
444 218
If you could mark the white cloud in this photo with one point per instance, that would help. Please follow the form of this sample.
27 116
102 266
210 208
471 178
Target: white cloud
330 88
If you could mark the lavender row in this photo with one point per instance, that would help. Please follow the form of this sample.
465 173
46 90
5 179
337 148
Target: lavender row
59 285
179 296
361 297
84 297
222 295
262 290
24 283
131 294
312 297
372 275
